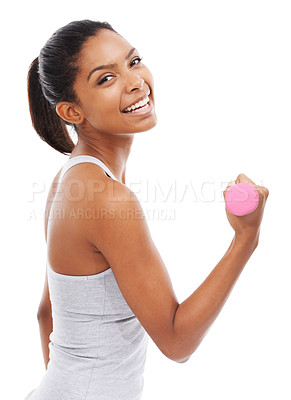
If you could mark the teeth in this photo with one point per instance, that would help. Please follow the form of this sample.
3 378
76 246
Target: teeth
139 109
137 105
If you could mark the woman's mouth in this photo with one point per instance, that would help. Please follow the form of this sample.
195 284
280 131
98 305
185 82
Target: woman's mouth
143 107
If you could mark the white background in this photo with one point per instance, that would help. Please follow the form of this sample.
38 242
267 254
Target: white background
223 97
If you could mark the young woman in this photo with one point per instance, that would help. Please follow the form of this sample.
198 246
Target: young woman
106 286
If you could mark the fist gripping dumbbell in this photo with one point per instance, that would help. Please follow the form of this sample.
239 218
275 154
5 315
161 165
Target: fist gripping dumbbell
241 199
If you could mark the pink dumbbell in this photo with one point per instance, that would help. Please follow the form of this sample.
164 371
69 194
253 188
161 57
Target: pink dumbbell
241 199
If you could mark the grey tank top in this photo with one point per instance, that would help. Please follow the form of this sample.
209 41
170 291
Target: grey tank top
98 347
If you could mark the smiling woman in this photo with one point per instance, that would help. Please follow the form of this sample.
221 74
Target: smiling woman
112 83
106 286
90 77
75 72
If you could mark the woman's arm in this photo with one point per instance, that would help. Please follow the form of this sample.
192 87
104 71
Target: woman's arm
44 316
196 314
124 239
44 313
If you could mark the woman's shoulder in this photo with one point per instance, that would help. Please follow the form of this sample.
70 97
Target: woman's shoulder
87 185
94 183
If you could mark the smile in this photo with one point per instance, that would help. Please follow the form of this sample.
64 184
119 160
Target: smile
142 103
141 108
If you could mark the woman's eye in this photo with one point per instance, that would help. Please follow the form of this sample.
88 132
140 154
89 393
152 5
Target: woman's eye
104 79
136 59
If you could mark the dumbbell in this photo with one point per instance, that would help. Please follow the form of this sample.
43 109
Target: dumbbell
241 199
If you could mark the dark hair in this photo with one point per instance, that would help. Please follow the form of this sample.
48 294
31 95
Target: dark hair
51 77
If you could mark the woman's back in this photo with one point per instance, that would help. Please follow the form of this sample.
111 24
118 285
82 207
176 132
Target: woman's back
98 346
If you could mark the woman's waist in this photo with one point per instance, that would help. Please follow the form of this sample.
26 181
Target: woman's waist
104 343
114 361
85 337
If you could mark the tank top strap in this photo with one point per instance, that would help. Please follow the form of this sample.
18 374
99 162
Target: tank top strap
81 159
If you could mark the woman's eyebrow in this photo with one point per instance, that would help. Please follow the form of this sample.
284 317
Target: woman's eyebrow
109 65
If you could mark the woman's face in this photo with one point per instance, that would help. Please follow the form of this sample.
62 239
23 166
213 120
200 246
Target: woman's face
110 79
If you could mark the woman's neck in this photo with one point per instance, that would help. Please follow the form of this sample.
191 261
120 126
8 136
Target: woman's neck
113 151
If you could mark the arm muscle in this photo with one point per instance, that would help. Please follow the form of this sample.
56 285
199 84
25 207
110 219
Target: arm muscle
125 240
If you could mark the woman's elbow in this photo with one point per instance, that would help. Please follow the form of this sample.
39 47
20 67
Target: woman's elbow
181 353
182 360
178 356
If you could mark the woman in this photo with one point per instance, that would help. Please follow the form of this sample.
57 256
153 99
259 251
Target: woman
106 286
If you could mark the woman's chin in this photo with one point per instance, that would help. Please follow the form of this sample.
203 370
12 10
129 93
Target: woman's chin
148 125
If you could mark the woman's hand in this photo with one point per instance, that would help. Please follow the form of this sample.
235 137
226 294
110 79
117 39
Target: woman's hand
248 226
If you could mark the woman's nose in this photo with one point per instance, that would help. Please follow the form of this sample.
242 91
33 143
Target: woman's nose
136 82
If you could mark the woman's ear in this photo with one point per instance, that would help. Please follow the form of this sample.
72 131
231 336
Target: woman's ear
70 112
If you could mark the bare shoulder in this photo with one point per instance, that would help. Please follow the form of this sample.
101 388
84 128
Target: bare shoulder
84 178
87 184
119 210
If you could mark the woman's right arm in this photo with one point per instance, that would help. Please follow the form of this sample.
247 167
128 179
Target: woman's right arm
196 314
124 239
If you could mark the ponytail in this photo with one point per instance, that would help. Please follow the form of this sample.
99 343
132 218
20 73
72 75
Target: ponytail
49 126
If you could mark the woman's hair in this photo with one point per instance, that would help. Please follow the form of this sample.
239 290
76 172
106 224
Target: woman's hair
51 78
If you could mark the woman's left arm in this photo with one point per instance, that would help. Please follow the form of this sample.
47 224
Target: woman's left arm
45 321
44 313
